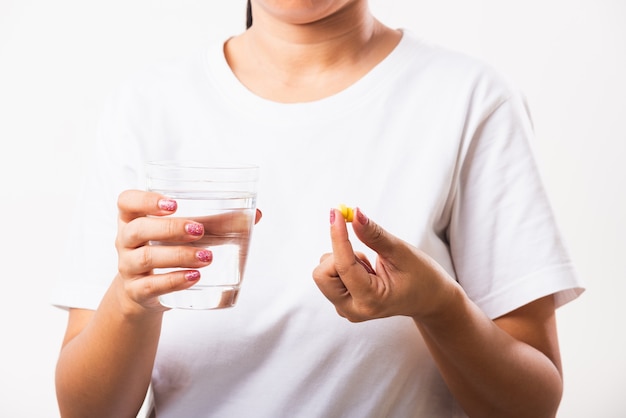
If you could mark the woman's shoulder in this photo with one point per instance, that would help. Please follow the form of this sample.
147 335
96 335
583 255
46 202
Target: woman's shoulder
434 53
444 64
454 72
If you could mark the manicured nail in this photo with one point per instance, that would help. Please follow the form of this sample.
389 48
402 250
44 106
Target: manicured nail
332 216
192 275
361 217
168 204
204 255
194 229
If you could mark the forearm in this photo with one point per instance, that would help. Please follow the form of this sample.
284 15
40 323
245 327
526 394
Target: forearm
490 373
105 370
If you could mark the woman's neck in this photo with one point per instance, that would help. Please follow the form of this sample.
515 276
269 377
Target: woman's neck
294 62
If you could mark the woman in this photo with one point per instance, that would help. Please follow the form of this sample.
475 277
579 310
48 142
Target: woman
450 306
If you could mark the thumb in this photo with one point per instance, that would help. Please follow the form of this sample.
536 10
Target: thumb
374 236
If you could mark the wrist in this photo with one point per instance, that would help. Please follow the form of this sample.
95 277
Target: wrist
449 301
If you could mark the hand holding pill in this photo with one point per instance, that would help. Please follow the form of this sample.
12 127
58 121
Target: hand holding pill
405 280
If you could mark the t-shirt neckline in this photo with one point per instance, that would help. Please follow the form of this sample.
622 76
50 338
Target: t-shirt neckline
238 95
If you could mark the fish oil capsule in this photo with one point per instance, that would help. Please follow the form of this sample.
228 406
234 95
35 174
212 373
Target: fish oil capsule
347 212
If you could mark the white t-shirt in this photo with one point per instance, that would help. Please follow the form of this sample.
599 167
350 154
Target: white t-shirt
431 144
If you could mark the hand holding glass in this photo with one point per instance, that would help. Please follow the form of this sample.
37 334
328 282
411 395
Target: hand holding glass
223 199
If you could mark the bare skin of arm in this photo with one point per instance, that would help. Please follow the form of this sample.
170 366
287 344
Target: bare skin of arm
106 361
508 367
107 356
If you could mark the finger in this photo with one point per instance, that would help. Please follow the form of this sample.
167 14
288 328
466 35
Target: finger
141 230
343 252
324 257
147 289
136 203
348 265
334 289
362 260
144 259
374 236
328 281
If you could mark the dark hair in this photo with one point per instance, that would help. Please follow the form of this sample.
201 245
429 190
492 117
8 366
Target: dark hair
248 15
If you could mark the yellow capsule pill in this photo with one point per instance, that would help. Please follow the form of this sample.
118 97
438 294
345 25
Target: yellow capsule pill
347 212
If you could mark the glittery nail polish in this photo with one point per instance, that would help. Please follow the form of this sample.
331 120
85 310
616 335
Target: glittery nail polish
204 255
194 229
168 204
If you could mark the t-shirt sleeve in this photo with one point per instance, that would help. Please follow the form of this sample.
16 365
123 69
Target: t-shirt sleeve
505 243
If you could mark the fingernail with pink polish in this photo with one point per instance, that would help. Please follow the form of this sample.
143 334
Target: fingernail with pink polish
194 229
332 216
204 256
361 217
168 204
192 275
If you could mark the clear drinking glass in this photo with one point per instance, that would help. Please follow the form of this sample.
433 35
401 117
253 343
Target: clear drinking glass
223 198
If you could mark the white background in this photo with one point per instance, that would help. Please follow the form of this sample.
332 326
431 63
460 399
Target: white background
59 59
